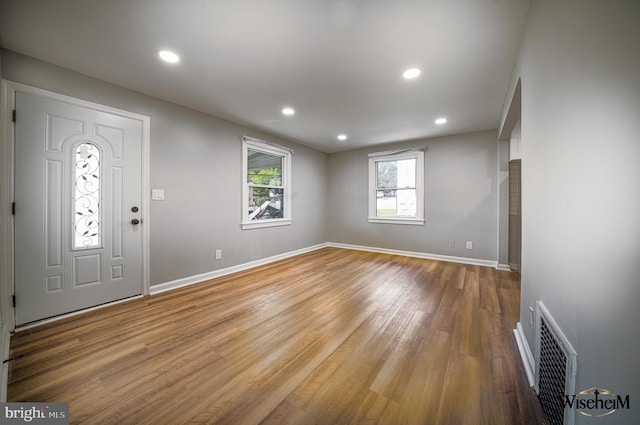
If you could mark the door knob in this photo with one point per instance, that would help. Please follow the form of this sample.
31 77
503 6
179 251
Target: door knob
135 221
134 209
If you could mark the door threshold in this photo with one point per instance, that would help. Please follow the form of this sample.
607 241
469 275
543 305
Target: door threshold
31 325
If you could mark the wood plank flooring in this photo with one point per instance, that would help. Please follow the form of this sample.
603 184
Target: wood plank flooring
330 337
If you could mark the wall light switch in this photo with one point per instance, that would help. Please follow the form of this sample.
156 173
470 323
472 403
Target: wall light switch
218 254
157 194
469 245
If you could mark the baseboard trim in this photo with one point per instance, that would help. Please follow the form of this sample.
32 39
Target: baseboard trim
451 259
4 352
192 280
503 267
525 354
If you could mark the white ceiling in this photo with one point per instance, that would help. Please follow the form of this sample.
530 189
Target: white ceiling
339 64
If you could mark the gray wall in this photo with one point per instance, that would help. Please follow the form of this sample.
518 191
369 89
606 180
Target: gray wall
580 71
461 199
197 160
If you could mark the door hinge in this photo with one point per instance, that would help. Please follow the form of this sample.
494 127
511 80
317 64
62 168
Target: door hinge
14 115
13 208
14 300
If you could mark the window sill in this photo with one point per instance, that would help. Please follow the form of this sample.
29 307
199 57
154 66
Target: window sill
409 221
266 223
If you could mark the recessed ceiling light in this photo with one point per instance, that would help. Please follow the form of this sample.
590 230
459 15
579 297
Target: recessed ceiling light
411 73
168 56
441 121
342 137
288 111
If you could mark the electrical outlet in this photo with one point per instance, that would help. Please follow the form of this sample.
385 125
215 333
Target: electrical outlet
218 254
469 245
452 243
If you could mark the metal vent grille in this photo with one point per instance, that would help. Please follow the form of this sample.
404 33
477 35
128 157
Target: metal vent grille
555 367
553 372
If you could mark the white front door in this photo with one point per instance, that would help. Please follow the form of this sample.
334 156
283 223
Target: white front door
78 200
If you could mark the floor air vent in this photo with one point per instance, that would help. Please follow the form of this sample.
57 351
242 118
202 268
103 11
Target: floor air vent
555 369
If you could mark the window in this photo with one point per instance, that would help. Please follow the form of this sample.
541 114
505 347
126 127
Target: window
266 198
396 190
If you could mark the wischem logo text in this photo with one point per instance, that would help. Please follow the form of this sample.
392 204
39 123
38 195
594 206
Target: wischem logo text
596 402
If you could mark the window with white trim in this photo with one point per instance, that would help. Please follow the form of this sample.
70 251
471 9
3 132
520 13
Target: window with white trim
266 194
396 187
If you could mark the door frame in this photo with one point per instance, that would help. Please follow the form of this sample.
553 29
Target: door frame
7 171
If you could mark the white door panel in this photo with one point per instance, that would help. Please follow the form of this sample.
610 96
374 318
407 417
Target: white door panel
78 175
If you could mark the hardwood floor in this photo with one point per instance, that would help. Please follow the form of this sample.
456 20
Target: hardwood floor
330 337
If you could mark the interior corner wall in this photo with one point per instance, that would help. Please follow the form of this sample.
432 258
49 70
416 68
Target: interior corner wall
580 73
461 198
197 160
